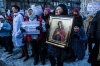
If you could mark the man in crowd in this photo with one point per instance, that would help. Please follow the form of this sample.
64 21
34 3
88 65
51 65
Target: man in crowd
17 22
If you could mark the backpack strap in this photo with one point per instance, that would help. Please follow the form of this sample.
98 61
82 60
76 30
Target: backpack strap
22 15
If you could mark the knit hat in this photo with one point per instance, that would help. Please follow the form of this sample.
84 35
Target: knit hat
90 15
64 7
48 9
76 10
77 24
1 17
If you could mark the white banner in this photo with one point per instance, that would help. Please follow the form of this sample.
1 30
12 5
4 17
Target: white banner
30 27
93 7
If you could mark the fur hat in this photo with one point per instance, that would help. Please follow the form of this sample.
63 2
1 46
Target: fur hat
77 24
64 7
90 15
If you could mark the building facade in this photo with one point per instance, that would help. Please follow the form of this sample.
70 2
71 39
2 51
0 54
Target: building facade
2 6
25 4
71 4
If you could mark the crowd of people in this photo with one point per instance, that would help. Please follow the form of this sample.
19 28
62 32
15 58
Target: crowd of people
83 34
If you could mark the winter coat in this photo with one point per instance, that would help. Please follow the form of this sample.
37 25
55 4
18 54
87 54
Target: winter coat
29 37
78 19
86 25
93 56
54 50
95 26
33 18
26 18
46 19
17 23
5 30
10 19
79 44
95 31
35 36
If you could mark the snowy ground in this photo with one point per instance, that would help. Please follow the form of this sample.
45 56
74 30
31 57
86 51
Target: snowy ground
12 60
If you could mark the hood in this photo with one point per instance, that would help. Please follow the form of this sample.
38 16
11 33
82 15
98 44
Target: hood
37 10
33 15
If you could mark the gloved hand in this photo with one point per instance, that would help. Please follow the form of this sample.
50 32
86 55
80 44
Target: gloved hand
76 36
47 26
39 28
22 30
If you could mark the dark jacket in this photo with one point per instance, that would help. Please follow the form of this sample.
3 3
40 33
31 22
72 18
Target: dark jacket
46 18
79 44
78 19
54 50
95 26
95 32
5 30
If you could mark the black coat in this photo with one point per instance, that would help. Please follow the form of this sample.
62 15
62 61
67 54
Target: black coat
78 19
93 56
95 27
95 32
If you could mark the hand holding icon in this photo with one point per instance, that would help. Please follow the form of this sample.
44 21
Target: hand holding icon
58 33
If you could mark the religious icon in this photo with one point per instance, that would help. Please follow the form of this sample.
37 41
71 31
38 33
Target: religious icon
59 33
60 30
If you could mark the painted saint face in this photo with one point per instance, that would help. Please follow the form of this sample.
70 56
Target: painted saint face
60 24
58 10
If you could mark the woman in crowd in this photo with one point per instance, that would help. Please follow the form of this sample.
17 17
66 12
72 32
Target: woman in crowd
94 34
77 16
86 25
78 40
54 51
5 29
34 14
45 17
